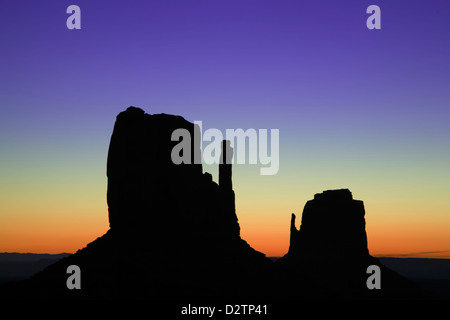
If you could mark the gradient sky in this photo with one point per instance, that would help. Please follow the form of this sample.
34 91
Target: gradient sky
367 110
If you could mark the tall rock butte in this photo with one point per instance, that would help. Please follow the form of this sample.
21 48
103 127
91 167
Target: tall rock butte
177 211
148 191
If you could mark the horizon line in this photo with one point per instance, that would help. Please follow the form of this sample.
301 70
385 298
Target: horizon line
413 255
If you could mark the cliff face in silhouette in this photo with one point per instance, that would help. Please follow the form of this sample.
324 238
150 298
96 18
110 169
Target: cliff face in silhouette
329 255
332 224
174 233
147 190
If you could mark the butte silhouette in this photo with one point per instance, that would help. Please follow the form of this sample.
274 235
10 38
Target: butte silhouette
174 233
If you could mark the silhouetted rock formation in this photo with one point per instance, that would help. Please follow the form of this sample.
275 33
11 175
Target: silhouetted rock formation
141 173
332 224
227 208
329 253
174 233
176 211
147 190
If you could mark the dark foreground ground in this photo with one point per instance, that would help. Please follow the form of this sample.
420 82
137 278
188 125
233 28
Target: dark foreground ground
431 274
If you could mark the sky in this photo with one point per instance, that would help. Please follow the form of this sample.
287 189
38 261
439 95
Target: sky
367 110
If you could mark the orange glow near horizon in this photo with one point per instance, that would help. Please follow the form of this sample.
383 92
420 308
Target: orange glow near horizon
272 239
53 233
393 228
